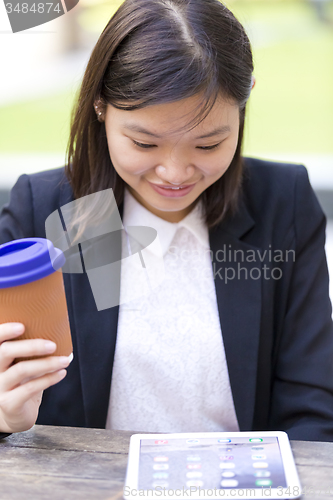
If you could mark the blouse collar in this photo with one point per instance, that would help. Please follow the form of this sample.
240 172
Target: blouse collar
136 214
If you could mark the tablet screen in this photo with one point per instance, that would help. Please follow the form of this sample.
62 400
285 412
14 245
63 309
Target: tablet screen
235 462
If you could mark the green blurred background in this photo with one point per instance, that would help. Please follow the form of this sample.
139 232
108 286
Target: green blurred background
290 110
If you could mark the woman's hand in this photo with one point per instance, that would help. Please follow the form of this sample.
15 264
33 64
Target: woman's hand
22 384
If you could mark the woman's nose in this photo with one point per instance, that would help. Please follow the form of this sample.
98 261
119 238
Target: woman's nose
175 174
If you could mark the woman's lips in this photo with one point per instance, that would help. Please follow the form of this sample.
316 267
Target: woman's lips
172 193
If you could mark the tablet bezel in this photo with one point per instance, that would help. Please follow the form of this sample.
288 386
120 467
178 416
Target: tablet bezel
131 490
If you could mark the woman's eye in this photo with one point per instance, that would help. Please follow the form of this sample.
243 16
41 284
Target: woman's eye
207 148
141 145
147 146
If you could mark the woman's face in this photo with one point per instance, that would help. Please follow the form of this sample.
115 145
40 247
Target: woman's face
152 153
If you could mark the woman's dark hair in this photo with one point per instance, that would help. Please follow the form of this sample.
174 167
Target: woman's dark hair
155 52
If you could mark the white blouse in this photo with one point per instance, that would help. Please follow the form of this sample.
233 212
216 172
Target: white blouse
170 372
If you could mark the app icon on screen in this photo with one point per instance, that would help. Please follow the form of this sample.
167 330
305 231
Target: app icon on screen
195 483
193 466
229 483
262 473
255 440
260 465
228 473
160 475
224 440
162 441
264 482
193 474
227 465
259 457
161 459
160 466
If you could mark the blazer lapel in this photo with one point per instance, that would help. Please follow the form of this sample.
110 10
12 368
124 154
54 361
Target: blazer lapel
239 304
94 340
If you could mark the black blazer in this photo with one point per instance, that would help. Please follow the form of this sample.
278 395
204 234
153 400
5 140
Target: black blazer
277 331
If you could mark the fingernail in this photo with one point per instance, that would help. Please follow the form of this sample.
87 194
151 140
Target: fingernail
66 359
50 346
17 328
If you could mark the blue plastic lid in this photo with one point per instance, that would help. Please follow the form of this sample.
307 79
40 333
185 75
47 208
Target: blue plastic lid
26 260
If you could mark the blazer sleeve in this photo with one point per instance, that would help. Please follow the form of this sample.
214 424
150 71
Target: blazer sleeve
4 434
16 218
302 393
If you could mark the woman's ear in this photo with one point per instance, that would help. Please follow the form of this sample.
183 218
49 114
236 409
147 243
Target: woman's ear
253 81
100 110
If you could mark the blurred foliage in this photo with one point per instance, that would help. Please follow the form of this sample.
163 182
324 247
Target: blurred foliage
38 126
290 110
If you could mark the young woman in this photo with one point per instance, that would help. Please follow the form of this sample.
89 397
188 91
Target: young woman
239 334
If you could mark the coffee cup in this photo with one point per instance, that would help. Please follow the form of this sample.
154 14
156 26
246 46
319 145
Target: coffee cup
32 292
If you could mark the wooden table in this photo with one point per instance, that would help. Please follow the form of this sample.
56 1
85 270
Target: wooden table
65 463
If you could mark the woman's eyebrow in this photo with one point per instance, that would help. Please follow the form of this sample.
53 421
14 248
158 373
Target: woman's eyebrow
218 131
137 128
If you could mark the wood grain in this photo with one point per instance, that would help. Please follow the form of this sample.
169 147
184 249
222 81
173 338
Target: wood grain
67 463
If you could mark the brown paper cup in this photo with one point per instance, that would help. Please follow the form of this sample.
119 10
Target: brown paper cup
41 307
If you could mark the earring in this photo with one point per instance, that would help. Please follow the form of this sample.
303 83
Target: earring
99 113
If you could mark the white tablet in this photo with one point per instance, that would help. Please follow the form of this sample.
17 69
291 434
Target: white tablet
238 465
